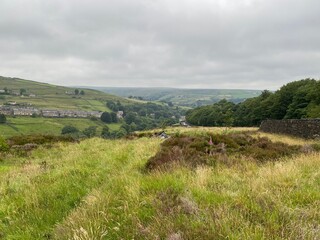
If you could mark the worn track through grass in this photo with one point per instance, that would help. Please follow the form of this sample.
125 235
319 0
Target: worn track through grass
97 190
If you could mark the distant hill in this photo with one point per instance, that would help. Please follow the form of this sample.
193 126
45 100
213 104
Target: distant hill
183 97
43 95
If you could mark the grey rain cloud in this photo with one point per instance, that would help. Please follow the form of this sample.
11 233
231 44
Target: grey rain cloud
249 44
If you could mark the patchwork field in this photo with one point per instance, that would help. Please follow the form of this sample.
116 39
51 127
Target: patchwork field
56 97
100 189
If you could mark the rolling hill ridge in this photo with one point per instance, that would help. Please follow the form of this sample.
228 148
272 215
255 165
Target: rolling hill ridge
183 97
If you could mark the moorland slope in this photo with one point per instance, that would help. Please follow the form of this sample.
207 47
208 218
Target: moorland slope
100 189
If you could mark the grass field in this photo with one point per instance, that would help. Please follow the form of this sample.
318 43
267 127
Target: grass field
27 125
97 189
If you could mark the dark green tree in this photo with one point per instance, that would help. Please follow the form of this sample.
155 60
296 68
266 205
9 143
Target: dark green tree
23 91
105 133
3 118
112 106
130 118
121 133
106 117
69 130
133 127
90 131
126 127
114 118
284 97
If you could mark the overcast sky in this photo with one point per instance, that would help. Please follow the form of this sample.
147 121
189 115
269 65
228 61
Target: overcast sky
248 44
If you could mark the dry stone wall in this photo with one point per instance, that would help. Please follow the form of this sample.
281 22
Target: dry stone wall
305 128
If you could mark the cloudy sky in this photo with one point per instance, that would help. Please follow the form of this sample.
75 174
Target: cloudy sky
248 44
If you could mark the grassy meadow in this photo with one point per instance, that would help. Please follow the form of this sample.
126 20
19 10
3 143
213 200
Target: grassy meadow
52 126
99 189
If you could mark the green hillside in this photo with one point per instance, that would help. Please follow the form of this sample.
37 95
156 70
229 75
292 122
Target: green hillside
183 97
99 189
19 95
55 97
47 96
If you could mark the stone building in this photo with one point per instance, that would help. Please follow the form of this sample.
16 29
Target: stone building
25 111
6 110
50 113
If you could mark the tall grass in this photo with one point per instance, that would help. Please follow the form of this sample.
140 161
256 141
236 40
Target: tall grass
286 139
98 190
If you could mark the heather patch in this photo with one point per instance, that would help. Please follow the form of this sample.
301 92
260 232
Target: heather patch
193 151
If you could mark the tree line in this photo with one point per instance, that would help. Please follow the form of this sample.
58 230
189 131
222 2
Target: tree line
295 100
137 117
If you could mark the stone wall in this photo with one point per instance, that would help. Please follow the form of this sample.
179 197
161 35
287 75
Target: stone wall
305 128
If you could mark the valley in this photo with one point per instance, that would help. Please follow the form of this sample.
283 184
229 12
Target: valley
140 171
182 97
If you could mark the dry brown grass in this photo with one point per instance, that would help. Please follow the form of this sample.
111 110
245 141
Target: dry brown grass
285 139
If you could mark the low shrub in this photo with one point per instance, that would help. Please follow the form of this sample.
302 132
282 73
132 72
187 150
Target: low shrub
38 139
207 149
3 145
185 149
69 130
316 146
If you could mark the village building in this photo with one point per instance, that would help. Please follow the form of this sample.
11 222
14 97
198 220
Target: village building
25 111
120 114
95 114
16 110
67 113
50 113
6 110
184 124
182 119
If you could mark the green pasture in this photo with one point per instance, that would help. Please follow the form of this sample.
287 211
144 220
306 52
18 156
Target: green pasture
28 125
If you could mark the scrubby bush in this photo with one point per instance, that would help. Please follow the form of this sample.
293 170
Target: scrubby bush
38 139
69 130
207 149
3 145
93 118
316 146
90 131
105 133
120 133
3 118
